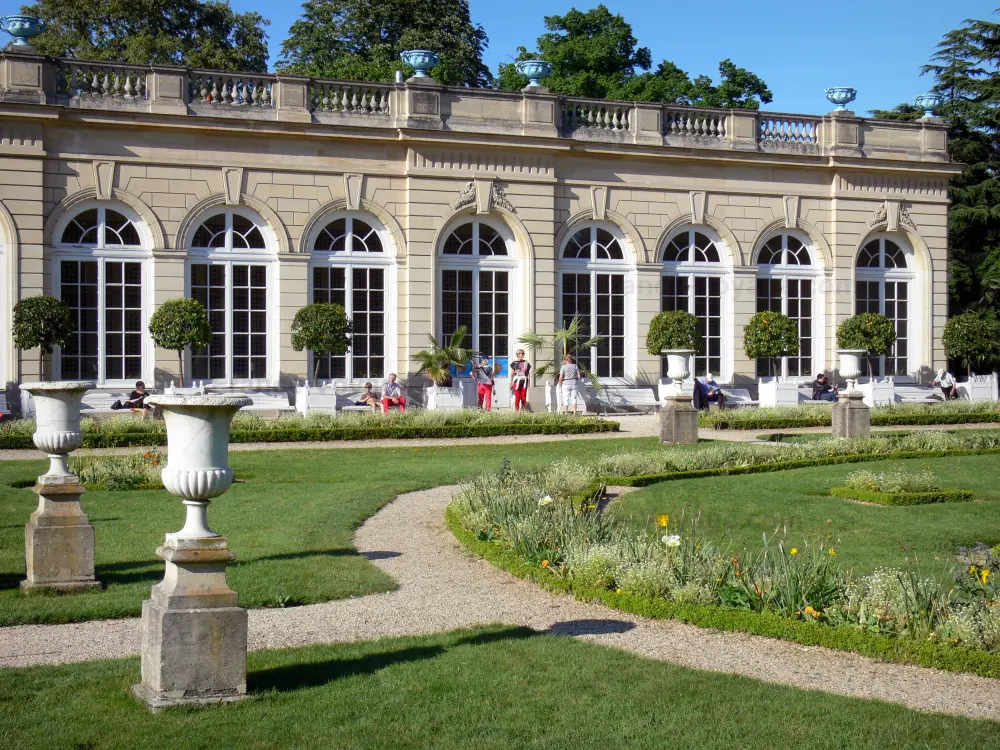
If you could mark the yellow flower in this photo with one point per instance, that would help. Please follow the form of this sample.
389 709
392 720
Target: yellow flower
663 520
972 570
984 574
833 552
795 550
545 563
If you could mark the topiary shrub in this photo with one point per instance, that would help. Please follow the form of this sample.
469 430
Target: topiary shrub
971 339
770 334
674 330
179 323
43 322
324 328
872 332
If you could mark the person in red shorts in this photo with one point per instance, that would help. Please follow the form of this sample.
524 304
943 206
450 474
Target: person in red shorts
392 395
483 374
520 369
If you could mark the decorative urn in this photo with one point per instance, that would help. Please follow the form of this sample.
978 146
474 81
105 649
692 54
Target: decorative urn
421 60
678 365
841 96
534 70
928 103
850 366
57 420
22 28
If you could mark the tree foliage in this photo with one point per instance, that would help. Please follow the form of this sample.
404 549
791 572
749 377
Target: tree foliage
676 329
966 73
770 334
43 322
361 41
323 328
972 339
570 339
595 54
206 34
436 362
180 323
872 332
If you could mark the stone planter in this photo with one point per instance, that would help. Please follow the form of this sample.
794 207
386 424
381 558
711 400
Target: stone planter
678 418
446 398
58 540
678 366
777 392
194 636
979 388
878 392
850 366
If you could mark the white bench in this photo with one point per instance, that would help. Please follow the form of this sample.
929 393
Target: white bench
738 397
265 400
618 398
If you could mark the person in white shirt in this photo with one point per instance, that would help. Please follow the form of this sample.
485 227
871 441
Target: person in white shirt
392 395
946 381
569 381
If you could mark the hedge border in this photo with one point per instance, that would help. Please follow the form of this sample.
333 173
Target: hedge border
903 498
646 480
878 420
841 638
322 434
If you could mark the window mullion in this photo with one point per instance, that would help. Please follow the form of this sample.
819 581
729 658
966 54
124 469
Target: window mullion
349 311
101 322
229 318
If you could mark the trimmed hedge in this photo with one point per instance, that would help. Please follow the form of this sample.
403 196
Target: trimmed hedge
872 645
903 498
763 422
320 434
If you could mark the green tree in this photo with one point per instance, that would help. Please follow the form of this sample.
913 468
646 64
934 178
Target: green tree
42 322
872 332
180 323
200 34
675 329
595 54
322 328
972 339
568 339
361 41
769 335
437 361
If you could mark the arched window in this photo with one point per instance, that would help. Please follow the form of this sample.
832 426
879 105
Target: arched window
693 278
230 274
593 270
883 277
102 251
351 268
477 266
785 284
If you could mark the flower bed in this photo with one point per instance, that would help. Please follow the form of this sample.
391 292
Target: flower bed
819 415
903 498
140 471
898 488
249 428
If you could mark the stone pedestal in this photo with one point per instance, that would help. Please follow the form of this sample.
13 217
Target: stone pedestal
678 420
59 540
851 417
194 636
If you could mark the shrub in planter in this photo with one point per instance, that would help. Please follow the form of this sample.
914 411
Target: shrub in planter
769 335
42 322
322 328
674 330
898 488
903 498
569 339
180 323
972 339
437 361
872 332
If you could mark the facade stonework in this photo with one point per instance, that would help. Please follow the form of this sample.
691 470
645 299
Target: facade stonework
422 208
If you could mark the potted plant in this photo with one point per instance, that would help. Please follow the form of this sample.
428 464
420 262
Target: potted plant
675 334
43 322
322 328
770 335
436 362
863 334
569 339
180 323
973 339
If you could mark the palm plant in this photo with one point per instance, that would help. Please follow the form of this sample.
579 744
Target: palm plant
436 361
565 340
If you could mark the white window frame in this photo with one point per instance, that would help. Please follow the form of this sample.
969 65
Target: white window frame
229 257
881 274
692 269
785 272
100 252
596 266
350 259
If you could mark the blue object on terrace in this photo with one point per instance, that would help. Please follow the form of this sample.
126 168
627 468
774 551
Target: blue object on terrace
421 60
841 95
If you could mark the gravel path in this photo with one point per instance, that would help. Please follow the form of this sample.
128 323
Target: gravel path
442 587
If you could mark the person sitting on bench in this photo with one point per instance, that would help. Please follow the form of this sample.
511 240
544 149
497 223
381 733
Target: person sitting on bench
136 399
822 390
392 395
368 398
946 381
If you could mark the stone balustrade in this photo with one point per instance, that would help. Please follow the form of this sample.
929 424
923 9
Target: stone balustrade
422 104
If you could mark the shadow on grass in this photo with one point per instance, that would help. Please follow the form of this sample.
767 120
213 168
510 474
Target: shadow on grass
299 676
10 580
135 571
338 552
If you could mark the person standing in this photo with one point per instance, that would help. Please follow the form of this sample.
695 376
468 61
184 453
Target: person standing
392 395
482 374
569 383
520 369
947 383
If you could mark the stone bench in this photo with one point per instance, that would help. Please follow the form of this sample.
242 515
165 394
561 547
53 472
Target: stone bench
618 398
738 397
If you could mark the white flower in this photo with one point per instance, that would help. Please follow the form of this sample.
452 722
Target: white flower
545 501
672 540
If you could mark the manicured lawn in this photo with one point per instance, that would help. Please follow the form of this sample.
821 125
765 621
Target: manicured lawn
290 519
492 688
739 509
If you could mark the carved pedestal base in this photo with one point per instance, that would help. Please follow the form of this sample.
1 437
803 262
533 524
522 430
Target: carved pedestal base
851 417
194 636
59 540
678 420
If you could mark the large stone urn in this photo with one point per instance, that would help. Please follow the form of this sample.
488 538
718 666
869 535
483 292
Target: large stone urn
850 366
194 634
678 418
59 539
